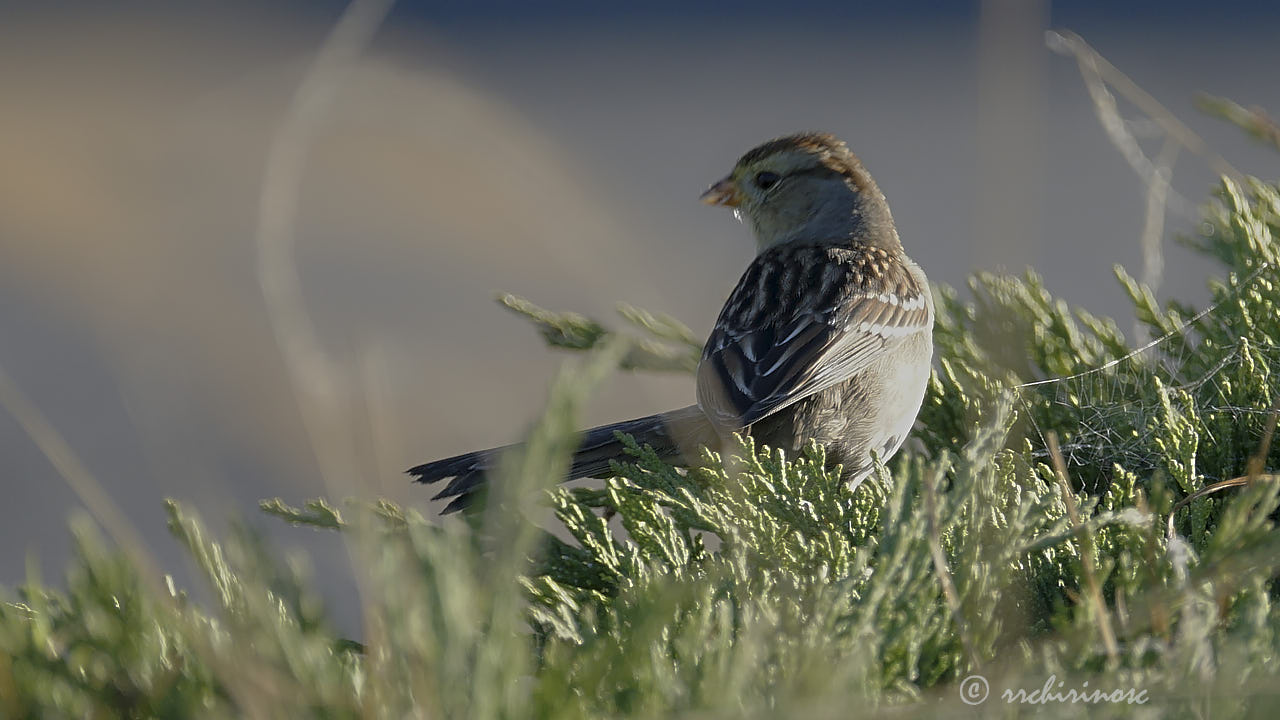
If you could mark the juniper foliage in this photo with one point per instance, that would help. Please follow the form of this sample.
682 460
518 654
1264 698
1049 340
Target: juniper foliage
759 585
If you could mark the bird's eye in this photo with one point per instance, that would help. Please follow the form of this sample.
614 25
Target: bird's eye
766 179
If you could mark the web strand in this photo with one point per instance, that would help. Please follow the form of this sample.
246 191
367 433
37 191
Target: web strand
1111 406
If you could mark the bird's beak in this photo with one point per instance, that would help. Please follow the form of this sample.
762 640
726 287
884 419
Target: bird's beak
723 193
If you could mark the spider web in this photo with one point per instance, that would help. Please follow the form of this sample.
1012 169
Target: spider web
1118 412
1211 371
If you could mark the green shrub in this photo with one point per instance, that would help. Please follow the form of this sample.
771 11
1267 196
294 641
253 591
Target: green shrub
761 586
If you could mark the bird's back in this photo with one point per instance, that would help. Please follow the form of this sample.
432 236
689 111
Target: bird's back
874 410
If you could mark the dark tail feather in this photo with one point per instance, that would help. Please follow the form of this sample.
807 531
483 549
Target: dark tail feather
673 435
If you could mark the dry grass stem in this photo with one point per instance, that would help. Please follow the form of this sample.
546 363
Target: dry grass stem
1102 613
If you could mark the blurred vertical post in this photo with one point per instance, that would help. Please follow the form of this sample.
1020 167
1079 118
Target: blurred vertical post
1011 81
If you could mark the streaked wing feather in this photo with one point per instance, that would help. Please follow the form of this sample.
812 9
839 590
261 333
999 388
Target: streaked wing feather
767 353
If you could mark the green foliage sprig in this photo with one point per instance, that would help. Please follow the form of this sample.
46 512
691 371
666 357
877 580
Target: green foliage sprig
759 585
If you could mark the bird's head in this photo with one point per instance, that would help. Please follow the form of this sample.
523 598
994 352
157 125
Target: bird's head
805 187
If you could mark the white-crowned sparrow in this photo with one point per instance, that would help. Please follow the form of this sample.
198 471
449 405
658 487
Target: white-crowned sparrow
827 336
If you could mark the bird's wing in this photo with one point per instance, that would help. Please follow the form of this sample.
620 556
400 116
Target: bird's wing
801 320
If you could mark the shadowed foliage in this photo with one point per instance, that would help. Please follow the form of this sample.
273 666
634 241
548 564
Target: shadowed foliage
760 585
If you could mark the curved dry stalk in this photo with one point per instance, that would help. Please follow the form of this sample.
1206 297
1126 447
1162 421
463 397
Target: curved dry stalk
1253 471
319 387
1086 553
82 482
1099 75
941 568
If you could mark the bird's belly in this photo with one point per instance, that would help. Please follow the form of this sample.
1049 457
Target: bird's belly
874 411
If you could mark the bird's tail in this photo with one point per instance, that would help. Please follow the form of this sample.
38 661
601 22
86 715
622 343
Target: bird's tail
673 435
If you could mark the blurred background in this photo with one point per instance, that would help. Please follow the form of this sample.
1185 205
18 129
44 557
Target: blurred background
556 152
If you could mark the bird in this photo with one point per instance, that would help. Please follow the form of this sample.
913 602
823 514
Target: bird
827 336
